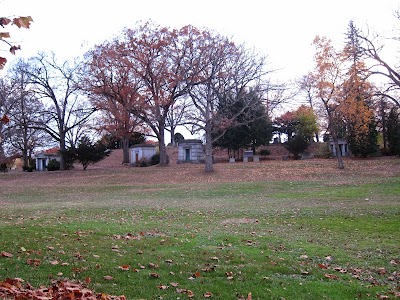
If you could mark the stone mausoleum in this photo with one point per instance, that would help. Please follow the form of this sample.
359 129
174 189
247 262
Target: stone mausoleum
190 151
141 152
43 158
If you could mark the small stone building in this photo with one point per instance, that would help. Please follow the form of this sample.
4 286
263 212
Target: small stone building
190 151
43 158
343 146
141 152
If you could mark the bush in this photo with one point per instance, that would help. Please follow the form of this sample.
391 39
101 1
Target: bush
53 165
323 151
155 159
264 152
3 167
296 145
143 163
30 167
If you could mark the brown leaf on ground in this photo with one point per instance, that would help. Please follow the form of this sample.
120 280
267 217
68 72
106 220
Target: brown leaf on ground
6 254
154 275
331 276
13 288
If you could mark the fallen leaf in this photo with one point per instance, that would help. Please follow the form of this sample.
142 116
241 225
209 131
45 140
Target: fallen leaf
189 293
197 274
124 267
215 258
154 275
331 276
162 287
108 277
381 271
322 266
33 262
153 266
6 254
208 295
305 273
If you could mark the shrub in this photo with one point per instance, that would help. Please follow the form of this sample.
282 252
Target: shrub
30 167
296 145
3 167
323 151
264 152
53 165
143 163
155 159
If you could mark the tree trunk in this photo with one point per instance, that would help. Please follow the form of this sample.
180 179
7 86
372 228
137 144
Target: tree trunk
62 152
209 155
338 153
253 147
172 135
125 149
162 149
25 159
334 136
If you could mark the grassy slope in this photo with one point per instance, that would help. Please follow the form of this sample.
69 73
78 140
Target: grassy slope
300 230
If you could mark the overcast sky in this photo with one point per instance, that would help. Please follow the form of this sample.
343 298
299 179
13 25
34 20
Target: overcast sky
281 29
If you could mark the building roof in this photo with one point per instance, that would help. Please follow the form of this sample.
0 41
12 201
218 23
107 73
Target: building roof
143 146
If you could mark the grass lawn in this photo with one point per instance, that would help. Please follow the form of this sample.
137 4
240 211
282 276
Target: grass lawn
272 230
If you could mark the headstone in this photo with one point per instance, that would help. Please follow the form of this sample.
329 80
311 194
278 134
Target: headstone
232 160
256 158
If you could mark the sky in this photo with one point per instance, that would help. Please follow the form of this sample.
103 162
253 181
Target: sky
282 30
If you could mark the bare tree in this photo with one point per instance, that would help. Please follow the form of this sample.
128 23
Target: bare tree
55 85
223 72
23 136
373 49
159 55
176 115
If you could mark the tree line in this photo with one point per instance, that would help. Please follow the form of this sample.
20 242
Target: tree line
152 79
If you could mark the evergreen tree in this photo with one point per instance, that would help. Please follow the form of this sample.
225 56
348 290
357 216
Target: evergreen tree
393 132
363 145
251 127
89 153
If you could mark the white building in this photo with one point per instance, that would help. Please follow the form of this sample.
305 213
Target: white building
141 152
43 158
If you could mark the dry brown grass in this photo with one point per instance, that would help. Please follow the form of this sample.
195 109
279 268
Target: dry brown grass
113 172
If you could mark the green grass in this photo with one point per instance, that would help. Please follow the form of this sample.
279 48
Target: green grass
267 238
